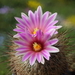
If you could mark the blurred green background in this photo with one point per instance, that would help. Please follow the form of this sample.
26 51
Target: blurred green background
11 8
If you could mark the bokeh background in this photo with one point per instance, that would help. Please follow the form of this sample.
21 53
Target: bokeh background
13 8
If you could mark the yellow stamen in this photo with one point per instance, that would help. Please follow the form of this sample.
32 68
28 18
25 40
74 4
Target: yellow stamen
35 30
36 47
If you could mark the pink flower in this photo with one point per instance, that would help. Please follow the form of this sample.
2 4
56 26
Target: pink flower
36 48
36 21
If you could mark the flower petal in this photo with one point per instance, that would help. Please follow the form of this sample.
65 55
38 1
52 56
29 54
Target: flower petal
45 37
32 17
21 52
56 32
20 21
24 16
46 54
51 18
52 24
52 49
18 30
38 15
39 35
57 27
53 41
45 16
51 32
26 21
22 49
44 19
39 10
16 36
42 60
26 56
19 42
26 36
39 57
20 26
33 59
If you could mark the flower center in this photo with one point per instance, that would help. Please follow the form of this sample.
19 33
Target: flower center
35 30
36 47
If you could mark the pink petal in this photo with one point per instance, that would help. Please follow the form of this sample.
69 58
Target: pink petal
39 35
21 52
39 57
32 17
27 21
38 15
53 41
42 60
46 54
58 27
56 32
22 43
24 16
23 36
51 32
16 36
20 21
20 26
46 44
51 18
26 36
18 30
33 58
39 10
36 20
26 56
18 42
53 23
22 49
44 18
45 37
52 49
49 28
